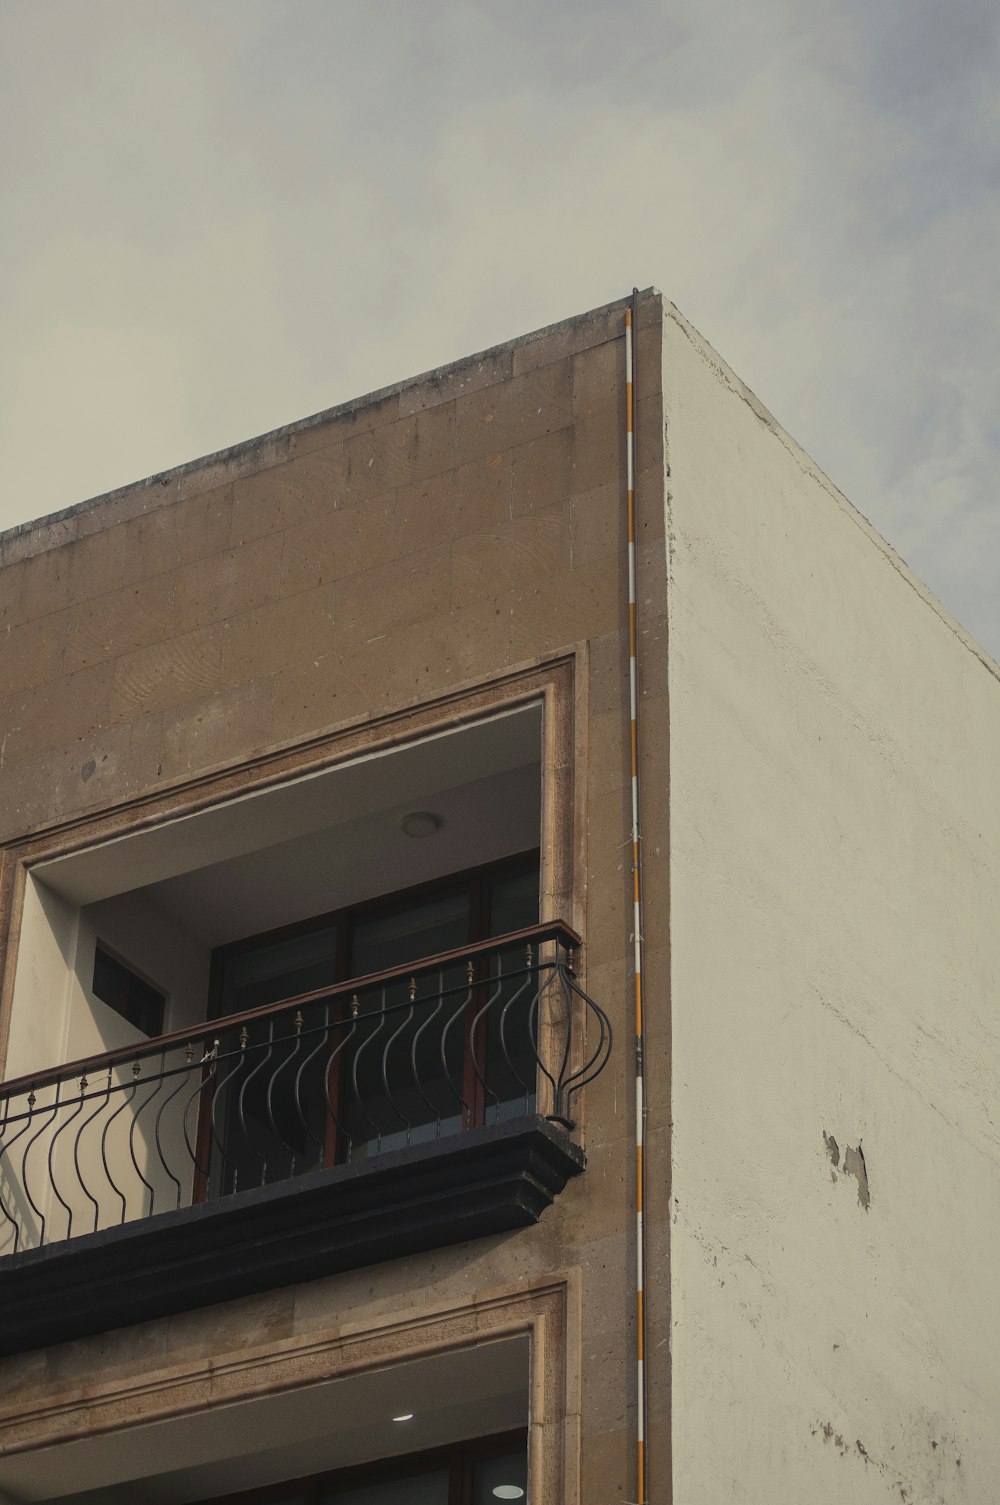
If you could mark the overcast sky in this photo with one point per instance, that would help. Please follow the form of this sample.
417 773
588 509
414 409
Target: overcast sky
220 216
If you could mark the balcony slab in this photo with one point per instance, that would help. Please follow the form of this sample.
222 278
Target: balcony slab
489 1180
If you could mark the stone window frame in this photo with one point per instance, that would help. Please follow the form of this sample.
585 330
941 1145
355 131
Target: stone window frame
559 682
547 1312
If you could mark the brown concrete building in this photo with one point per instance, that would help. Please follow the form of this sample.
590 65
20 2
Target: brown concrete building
317 1025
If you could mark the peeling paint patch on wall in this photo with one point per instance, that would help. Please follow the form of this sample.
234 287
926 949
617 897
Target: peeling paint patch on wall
853 1165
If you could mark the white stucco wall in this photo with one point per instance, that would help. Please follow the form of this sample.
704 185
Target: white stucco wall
835 871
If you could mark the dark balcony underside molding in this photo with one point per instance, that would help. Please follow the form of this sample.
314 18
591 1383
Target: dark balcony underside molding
486 1181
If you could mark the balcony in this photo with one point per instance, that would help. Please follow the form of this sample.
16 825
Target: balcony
405 1110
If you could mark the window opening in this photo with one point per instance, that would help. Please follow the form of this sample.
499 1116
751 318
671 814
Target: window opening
263 974
124 991
471 1473
328 1090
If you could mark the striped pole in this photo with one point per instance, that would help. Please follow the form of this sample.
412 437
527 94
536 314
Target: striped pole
640 1103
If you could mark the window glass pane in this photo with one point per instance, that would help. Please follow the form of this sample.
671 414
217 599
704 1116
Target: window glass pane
403 1080
268 1106
380 941
145 1007
279 969
514 902
125 992
415 1489
500 1479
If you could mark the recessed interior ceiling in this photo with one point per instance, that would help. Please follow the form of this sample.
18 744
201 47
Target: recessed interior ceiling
330 839
454 1396
324 870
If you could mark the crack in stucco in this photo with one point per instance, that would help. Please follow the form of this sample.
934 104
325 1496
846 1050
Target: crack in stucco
928 1102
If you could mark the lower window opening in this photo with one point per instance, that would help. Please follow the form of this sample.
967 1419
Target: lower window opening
325 1090
469 1473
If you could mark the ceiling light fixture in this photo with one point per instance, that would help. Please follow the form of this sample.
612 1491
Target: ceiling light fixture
420 823
508 1491
404 1416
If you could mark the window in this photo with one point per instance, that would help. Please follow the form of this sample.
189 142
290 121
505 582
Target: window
473 1473
390 931
272 1121
167 896
122 990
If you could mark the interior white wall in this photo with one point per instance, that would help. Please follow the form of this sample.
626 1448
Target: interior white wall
835 863
45 956
158 948
49 926
56 1016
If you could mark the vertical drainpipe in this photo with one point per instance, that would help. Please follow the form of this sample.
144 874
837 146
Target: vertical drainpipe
640 1097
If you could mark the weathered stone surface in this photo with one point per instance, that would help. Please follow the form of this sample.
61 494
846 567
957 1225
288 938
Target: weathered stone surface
327 577
228 584
175 535
32 653
112 625
168 673
399 453
514 412
288 495
214 731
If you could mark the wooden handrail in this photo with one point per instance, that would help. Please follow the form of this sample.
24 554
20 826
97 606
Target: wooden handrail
550 930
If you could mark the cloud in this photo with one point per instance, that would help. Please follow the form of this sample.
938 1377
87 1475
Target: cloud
221 217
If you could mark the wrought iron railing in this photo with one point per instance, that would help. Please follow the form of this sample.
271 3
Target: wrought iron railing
399 1058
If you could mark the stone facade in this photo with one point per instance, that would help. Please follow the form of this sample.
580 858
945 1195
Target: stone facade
820 839
441 541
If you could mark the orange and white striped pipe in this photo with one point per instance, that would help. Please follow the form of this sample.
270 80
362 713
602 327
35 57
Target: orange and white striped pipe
640 1096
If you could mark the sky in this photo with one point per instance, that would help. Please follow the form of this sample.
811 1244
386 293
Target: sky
217 217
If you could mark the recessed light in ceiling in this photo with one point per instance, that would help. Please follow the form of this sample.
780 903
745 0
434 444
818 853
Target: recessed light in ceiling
404 1416
420 823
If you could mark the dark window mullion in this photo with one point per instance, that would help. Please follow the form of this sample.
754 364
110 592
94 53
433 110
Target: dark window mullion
460 1482
479 929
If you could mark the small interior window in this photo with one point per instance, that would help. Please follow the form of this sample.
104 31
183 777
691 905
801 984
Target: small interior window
122 990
